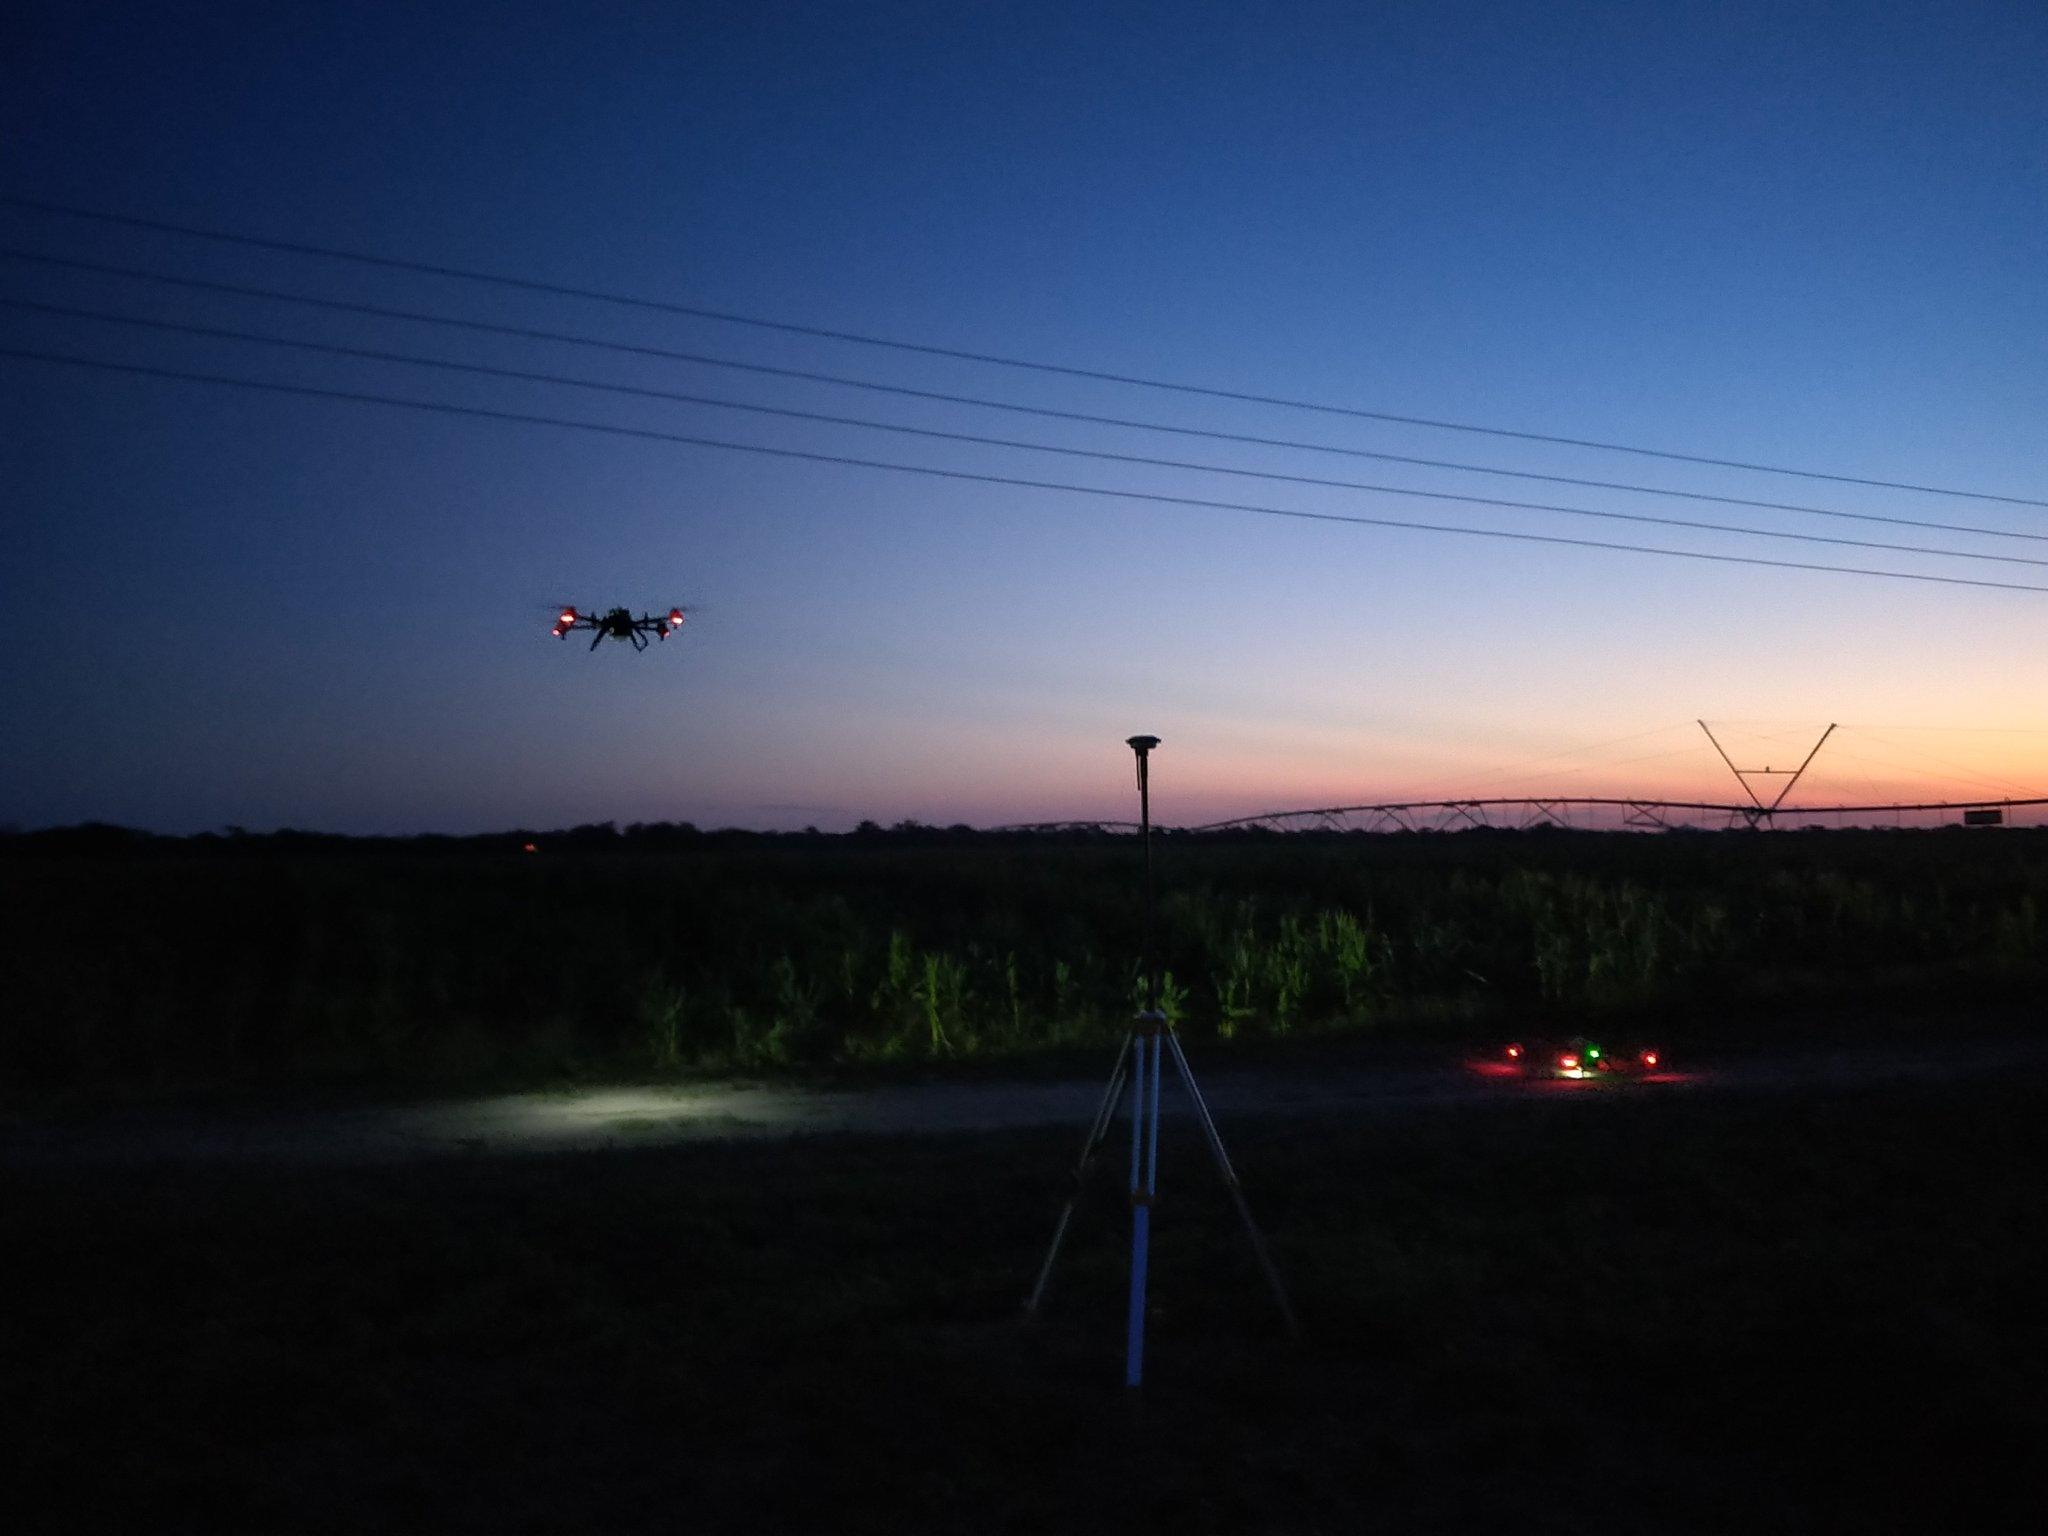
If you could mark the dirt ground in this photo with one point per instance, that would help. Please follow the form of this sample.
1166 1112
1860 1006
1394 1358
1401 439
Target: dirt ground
630 1116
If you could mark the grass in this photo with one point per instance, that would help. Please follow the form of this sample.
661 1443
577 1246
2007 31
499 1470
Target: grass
1793 1313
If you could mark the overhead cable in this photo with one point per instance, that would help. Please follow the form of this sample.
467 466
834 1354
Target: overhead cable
979 478
1146 461
702 312
668 354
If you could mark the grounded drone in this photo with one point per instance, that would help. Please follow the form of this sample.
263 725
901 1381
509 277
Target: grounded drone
1580 1058
619 624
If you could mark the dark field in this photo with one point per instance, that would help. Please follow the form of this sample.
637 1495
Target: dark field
1654 1313
235 962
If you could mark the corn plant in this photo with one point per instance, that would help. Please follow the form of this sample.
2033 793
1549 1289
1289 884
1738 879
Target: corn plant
661 1021
942 998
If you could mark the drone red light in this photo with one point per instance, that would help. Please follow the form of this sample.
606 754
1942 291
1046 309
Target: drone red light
1569 1063
1649 1058
568 616
1514 1053
675 617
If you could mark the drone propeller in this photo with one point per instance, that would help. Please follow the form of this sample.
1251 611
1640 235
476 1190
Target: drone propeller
568 616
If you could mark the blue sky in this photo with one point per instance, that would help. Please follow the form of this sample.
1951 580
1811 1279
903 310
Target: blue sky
1807 235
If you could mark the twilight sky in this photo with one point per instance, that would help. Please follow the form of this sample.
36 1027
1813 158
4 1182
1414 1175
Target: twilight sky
1810 235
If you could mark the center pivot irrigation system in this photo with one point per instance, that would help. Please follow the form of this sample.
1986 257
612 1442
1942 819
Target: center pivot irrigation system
1523 812
1138 1061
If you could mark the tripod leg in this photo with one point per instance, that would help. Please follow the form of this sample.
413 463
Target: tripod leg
1098 1132
1144 1186
1244 1211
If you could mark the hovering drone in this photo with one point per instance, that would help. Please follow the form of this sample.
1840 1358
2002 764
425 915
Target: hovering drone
619 624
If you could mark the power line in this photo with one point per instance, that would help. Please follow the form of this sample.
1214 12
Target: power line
1516 766
1946 762
667 354
701 312
647 434
788 413
1964 776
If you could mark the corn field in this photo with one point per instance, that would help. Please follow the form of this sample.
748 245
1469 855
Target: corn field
257 959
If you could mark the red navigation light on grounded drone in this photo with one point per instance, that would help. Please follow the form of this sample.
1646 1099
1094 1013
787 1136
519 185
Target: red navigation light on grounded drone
618 624
1576 1057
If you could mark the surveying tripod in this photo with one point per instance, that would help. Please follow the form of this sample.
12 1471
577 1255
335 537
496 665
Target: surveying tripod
1139 1060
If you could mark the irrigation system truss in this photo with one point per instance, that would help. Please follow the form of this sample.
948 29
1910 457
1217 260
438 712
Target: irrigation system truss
1594 812
1575 812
